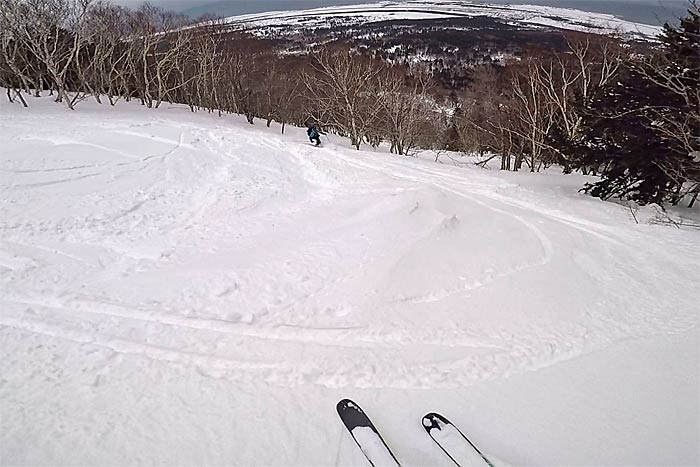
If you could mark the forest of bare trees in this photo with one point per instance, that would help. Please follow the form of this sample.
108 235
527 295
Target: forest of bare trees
516 114
546 109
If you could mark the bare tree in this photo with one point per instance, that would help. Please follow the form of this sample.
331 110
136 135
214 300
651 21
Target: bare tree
243 81
570 81
206 68
53 31
158 45
281 92
16 70
341 87
287 100
406 107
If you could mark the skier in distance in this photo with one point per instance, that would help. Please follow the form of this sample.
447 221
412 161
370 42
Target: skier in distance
314 133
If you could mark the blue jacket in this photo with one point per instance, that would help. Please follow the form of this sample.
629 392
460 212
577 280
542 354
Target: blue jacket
312 132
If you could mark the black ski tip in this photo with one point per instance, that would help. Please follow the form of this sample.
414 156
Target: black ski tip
347 404
353 416
434 421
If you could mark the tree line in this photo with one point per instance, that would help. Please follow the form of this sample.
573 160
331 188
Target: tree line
627 113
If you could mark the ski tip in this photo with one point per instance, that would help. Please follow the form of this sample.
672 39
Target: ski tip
347 404
433 420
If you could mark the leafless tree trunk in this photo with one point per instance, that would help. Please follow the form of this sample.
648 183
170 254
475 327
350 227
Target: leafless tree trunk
53 31
340 87
534 113
570 81
405 108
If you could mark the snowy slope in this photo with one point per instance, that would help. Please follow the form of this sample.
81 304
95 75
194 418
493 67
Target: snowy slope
525 15
181 289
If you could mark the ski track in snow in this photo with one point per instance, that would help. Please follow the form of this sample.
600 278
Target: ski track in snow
171 210
254 258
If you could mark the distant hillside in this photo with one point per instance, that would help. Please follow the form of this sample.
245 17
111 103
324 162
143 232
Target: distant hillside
652 12
286 23
450 36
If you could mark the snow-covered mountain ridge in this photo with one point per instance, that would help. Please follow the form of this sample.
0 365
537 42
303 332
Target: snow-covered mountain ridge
530 16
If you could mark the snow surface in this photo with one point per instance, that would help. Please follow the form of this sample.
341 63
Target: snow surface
530 15
182 289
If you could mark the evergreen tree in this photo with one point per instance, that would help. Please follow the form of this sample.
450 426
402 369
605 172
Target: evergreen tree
643 133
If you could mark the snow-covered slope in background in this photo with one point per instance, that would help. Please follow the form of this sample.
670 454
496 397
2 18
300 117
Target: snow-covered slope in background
181 289
525 15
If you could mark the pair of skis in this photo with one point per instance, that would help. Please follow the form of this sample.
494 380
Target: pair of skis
446 435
